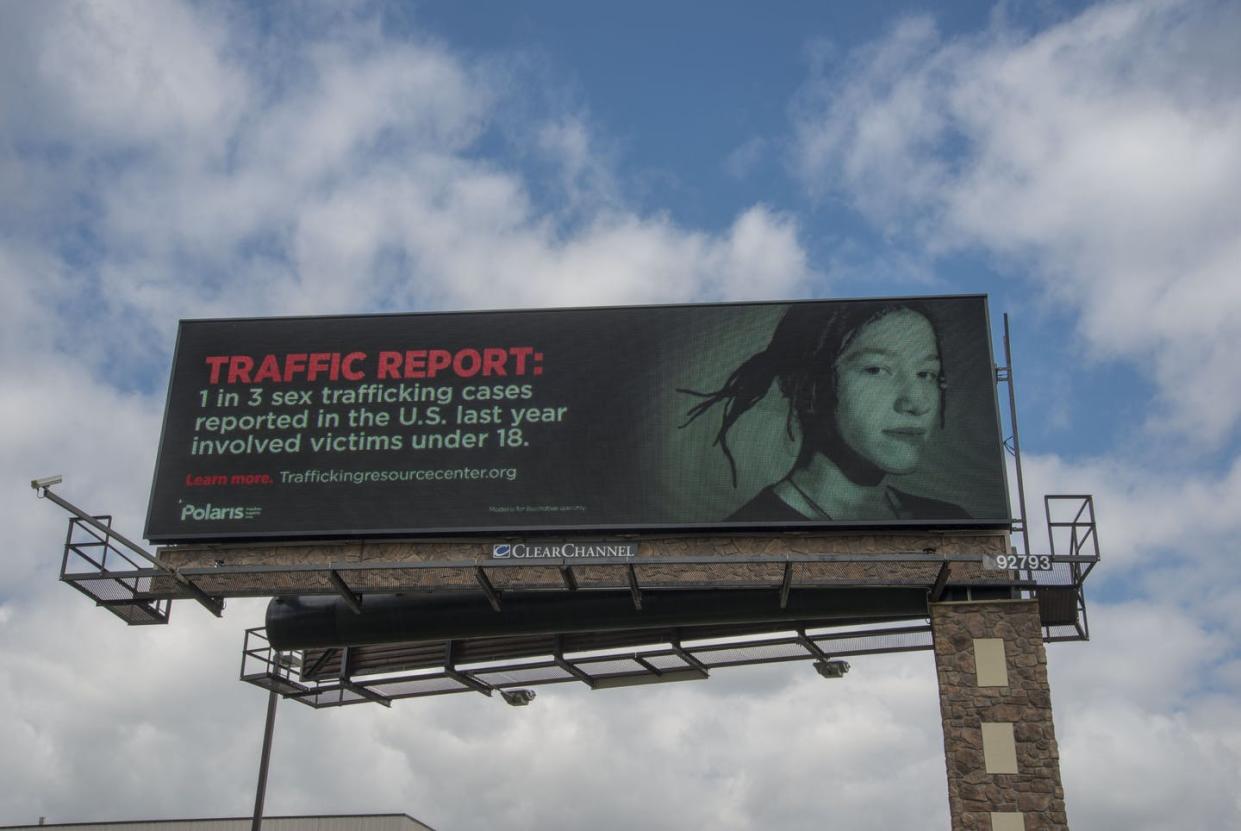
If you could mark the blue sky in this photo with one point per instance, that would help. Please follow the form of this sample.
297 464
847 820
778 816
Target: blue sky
1080 163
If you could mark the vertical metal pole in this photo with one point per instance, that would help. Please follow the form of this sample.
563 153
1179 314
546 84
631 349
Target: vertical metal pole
1012 414
261 792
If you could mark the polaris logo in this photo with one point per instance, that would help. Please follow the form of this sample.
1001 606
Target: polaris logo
210 512
563 550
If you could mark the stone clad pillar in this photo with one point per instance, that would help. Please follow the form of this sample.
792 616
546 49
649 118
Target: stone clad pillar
999 741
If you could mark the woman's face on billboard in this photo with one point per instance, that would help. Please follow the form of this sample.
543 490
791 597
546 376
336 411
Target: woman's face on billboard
888 390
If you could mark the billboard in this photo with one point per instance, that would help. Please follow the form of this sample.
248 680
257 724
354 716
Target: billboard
815 414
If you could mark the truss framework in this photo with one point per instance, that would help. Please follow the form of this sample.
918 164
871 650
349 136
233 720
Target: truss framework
294 675
381 674
137 587
98 563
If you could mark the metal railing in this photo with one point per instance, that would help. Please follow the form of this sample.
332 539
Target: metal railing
137 587
298 674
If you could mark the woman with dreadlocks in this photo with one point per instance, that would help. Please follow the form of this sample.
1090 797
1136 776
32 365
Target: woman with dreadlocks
865 383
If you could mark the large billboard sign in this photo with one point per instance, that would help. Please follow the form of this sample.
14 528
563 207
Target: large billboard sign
816 414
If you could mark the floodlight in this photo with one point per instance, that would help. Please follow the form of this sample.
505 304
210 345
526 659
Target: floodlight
517 698
831 669
46 482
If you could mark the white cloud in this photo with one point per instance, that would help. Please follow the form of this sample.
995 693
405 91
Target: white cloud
1142 516
1143 769
718 753
1145 713
124 74
1098 156
585 172
164 164
1101 154
1141 744
353 183
1164 537
158 169
1148 654
135 720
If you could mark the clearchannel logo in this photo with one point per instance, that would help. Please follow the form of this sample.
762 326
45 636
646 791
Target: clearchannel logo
563 550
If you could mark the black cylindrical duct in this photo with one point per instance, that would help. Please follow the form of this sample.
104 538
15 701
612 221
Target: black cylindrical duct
312 622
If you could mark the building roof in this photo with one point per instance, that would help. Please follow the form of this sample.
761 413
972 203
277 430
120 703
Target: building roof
320 822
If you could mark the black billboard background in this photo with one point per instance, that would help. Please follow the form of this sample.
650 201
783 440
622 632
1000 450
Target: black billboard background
617 459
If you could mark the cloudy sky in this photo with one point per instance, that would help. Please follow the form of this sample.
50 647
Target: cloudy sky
1081 164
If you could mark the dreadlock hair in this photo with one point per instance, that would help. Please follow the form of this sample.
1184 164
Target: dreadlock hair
801 358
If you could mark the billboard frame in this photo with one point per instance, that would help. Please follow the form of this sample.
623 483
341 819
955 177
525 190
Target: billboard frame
998 375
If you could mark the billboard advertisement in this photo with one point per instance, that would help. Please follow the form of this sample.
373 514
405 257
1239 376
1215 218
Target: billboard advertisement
814 414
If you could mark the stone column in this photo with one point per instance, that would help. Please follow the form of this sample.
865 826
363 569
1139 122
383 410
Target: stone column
999 742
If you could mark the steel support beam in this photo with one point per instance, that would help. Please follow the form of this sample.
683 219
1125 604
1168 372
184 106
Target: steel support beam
634 590
484 582
211 604
352 599
570 668
941 580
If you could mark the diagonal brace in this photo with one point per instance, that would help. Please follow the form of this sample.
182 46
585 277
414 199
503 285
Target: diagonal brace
352 599
635 591
211 604
484 583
